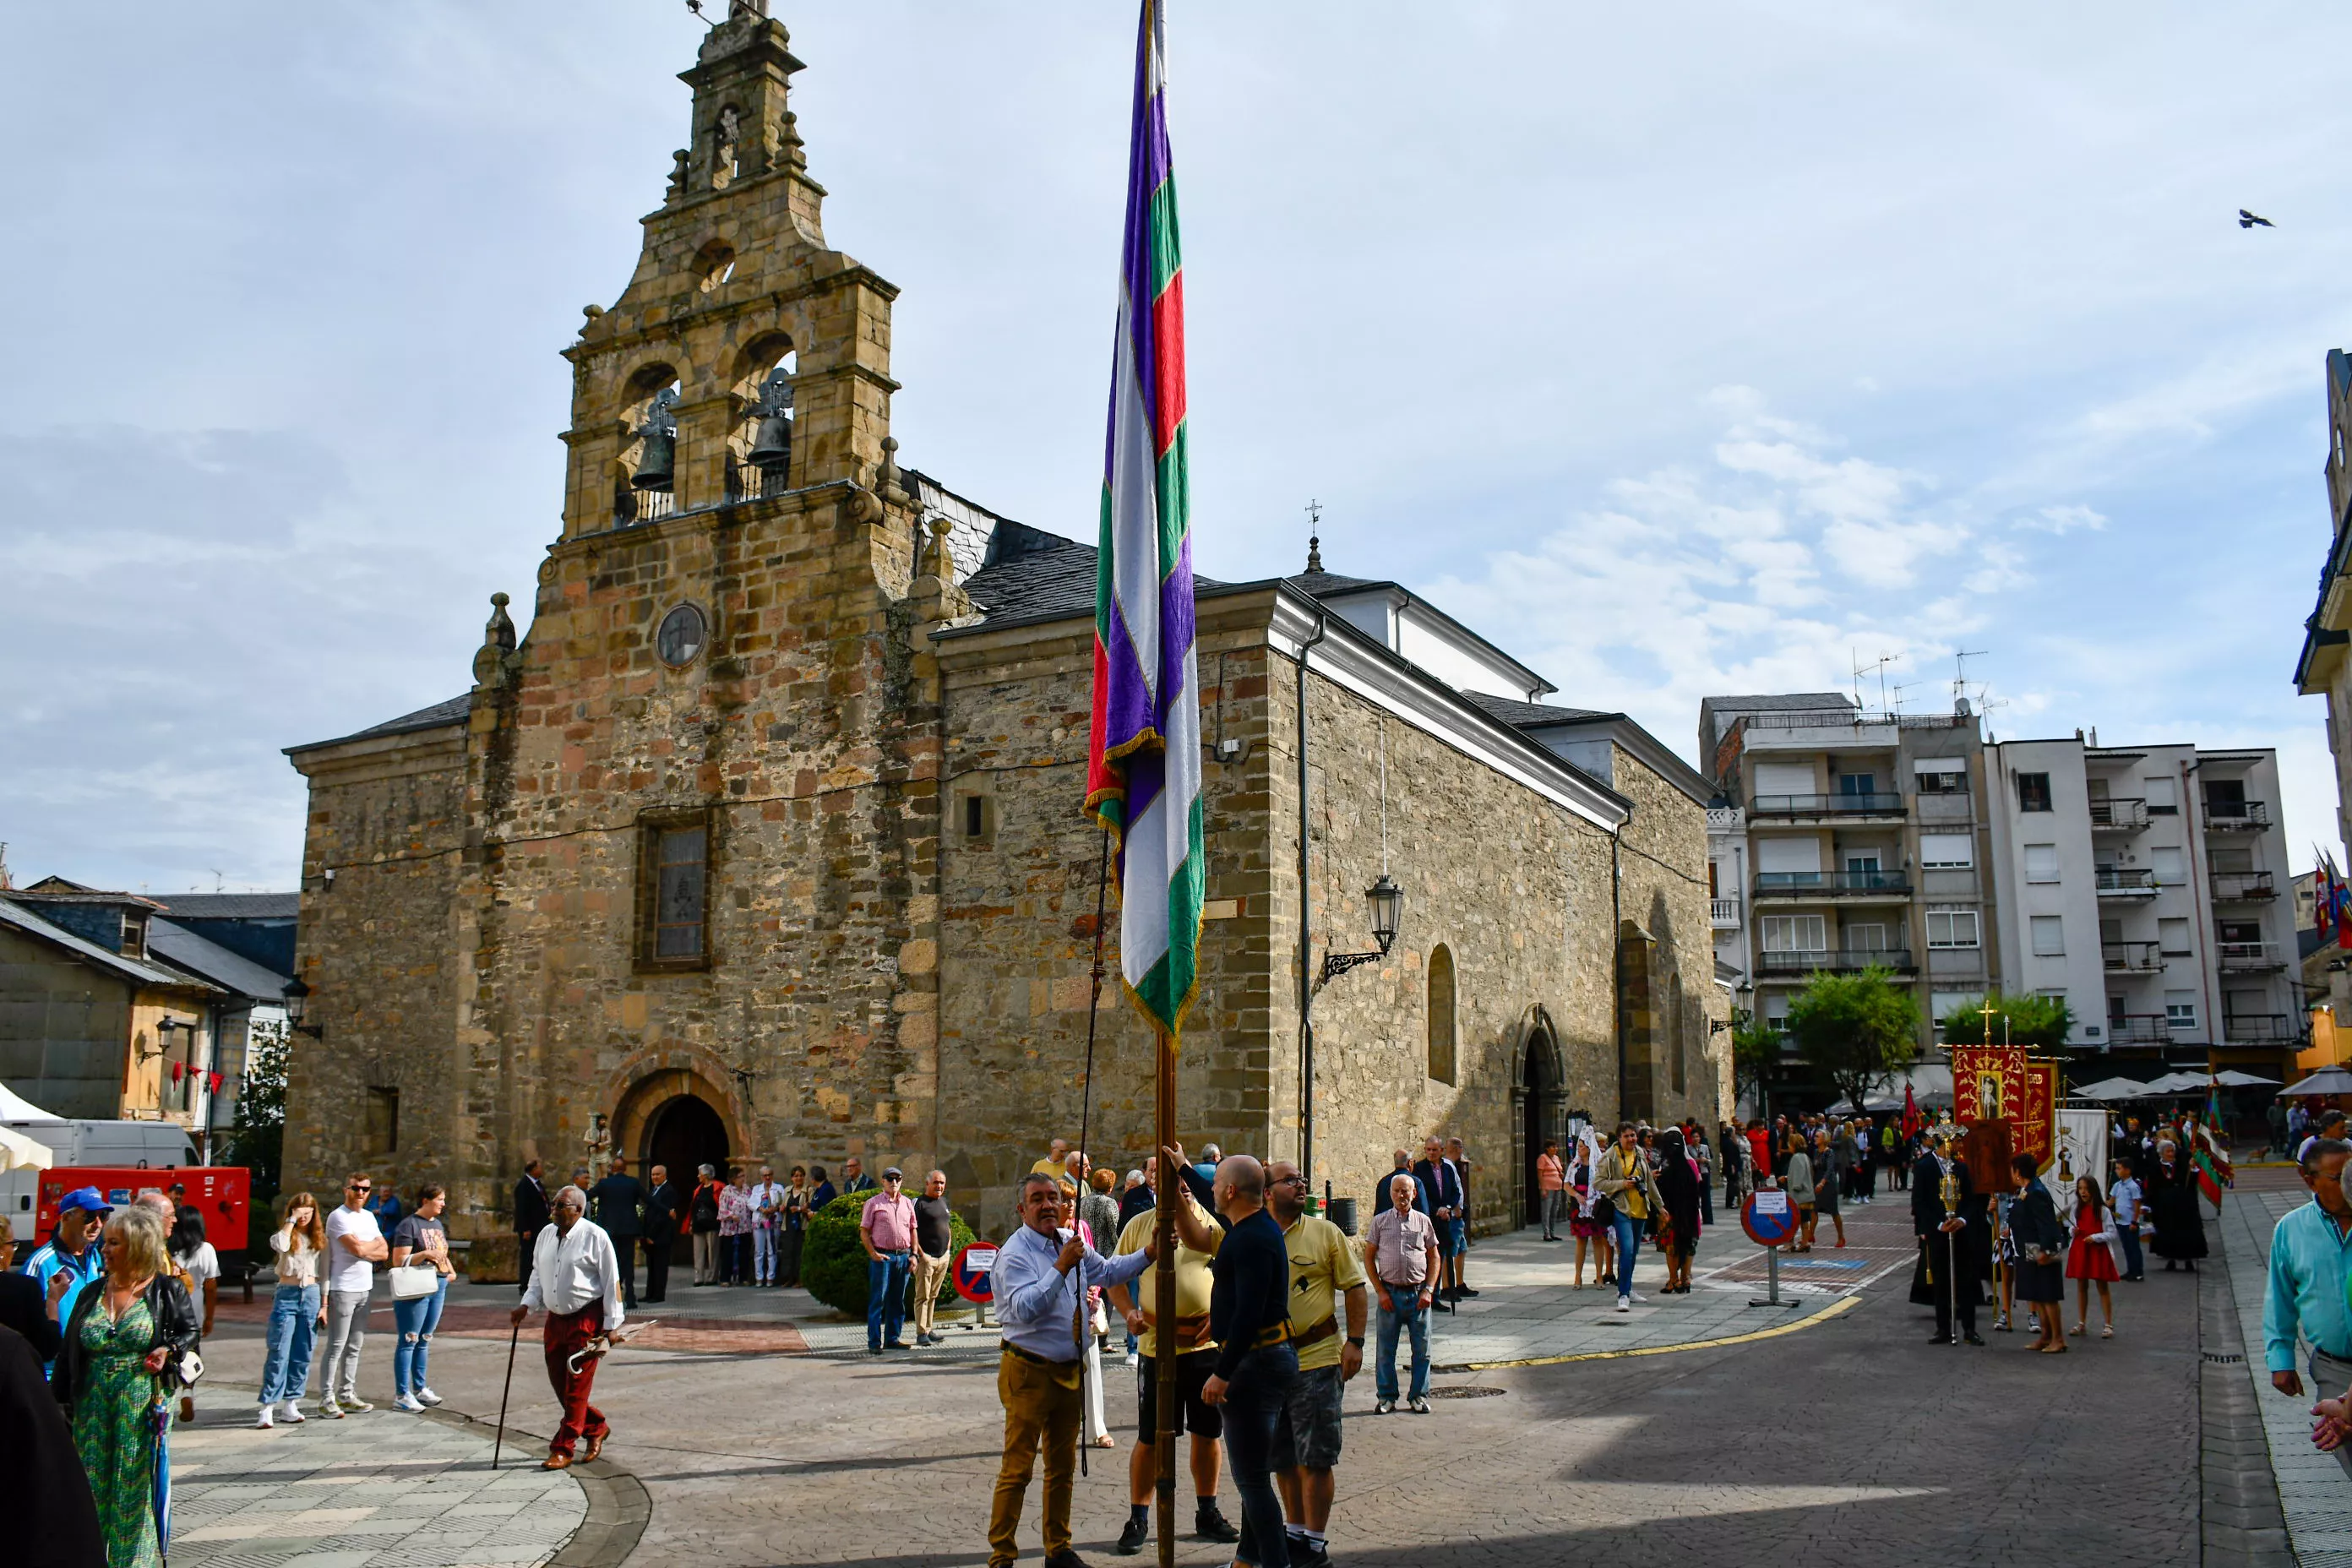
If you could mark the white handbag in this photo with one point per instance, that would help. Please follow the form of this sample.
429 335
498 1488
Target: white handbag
412 1280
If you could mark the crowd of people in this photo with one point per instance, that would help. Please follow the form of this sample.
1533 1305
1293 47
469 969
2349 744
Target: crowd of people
1276 1304
101 1349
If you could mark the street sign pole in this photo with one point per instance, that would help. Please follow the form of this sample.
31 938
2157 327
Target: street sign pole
1771 1221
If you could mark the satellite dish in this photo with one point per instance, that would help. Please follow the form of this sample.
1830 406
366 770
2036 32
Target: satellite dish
1959 708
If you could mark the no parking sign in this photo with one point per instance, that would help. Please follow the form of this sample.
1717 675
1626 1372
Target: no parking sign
974 1271
1769 1218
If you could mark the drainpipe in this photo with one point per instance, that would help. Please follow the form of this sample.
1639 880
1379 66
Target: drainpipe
1617 960
1306 944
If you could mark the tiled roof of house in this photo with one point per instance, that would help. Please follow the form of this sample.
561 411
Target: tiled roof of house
184 948
18 918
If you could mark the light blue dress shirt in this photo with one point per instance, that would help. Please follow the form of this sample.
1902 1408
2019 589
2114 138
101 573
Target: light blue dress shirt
1036 1302
2306 1288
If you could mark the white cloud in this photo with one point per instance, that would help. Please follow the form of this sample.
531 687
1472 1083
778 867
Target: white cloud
2060 519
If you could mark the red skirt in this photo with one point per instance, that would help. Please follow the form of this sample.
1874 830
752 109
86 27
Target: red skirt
2090 1259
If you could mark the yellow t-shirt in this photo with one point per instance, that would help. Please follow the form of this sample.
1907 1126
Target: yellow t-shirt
1323 1267
1049 1166
1195 1283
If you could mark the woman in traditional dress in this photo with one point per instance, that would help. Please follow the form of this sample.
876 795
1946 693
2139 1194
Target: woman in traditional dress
2091 1260
2042 1247
2172 1204
1582 1223
115 1376
1678 1184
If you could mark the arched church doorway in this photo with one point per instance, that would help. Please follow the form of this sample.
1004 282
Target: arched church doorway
1539 1093
683 1132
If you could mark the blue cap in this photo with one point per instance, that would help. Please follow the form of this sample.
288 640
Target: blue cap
89 1200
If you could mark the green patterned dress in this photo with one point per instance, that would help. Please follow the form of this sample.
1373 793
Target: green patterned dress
114 1431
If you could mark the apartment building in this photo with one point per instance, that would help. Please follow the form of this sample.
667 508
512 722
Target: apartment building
2147 886
1845 837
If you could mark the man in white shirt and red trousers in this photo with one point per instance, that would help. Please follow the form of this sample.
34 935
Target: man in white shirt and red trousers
575 1276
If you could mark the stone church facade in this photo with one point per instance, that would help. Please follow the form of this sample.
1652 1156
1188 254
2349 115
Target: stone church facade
764 842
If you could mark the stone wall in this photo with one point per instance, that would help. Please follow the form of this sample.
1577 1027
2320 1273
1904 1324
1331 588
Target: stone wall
387 819
1019 905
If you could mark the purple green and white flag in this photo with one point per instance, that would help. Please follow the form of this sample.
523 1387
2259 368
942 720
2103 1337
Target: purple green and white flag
1143 778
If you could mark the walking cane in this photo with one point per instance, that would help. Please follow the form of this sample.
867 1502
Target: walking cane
512 1339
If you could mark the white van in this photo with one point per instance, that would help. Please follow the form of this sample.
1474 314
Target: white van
87 1143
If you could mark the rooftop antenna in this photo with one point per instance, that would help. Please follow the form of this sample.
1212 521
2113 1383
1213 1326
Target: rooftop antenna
1860 670
1315 536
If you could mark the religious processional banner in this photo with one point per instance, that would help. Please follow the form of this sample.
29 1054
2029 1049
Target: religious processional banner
2002 1082
1988 1081
2081 1150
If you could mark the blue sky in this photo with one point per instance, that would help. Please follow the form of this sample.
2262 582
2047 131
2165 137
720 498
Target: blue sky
1696 350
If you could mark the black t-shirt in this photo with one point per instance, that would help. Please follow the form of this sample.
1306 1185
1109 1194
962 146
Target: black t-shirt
932 1231
1252 1288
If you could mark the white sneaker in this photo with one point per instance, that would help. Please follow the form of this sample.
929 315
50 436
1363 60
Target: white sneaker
1635 1296
408 1403
426 1396
1624 1304
290 1412
354 1403
1131 1358
330 1409
265 1423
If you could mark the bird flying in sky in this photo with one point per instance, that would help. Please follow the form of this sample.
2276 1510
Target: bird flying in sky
2248 220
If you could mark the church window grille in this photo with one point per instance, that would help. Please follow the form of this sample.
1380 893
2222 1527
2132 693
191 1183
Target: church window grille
673 891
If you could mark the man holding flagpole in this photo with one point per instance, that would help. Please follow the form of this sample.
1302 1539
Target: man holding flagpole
1143 775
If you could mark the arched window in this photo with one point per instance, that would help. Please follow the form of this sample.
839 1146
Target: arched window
1676 1047
1440 1014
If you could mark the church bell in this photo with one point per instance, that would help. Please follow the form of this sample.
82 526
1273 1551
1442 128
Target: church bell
771 442
657 468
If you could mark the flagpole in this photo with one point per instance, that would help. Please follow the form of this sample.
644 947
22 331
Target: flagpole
1163 1300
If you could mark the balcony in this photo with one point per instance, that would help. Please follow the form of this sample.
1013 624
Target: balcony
1816 807
2131 957
1836 961
1723 914
2262 1028
1833 885
2116 814
2237 816
2114 882
2138 1029
2250 958
2242 887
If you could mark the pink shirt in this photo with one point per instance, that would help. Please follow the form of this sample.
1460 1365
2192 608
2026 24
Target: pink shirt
889 1222
1548 1175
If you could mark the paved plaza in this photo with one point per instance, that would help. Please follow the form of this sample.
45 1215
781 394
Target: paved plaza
760 1432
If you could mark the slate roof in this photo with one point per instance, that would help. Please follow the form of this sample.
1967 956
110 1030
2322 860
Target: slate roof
16 916
184 948
1533 715
235 906
440 716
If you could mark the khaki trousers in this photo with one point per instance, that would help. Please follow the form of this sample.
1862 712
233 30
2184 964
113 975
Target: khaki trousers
1041 1408
930 1277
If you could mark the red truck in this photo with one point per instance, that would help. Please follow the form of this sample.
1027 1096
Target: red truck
222 1194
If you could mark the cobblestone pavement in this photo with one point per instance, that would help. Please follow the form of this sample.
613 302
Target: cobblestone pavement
2313 1492
358 1493
1835 1442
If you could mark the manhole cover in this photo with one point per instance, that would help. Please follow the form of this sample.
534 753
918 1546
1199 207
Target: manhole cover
2222 1357
1466 1390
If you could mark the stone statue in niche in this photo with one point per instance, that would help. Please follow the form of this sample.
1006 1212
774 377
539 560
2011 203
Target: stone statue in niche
723 150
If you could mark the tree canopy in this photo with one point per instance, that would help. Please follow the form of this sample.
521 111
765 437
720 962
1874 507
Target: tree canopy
2041 1022
1855 1029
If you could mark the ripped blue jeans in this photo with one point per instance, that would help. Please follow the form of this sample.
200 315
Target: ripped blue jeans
415 1320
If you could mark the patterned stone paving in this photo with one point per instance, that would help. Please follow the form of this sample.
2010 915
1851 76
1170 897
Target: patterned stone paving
375 1490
